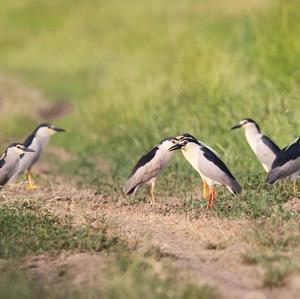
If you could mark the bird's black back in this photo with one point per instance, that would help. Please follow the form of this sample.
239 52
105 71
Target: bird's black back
2 162
27 142
271 145
291 152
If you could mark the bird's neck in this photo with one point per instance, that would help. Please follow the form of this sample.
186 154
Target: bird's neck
11 157
252 135
167 155
191 153
252 132
41 140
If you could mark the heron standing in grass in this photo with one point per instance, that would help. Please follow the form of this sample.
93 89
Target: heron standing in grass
36 142
10 160
148 167
287 164
209 166
263 147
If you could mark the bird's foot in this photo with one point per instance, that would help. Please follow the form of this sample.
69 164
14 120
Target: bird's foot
152 201
32 186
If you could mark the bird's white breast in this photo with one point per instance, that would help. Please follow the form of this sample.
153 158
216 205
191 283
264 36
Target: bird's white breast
193 153
253 137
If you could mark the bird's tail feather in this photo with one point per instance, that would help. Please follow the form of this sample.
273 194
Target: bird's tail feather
128 187
235 187
273 176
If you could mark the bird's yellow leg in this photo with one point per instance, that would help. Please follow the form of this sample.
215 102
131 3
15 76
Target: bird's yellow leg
152 193
205 189
31 185
295 187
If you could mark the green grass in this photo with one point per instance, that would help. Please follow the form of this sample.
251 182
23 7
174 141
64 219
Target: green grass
276 241
138 71
15 284
26 232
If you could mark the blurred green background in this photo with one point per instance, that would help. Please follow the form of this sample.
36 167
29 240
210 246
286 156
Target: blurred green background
138 71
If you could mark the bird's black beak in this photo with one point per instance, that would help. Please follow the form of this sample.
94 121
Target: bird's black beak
175 147
59 130
28 150
236 127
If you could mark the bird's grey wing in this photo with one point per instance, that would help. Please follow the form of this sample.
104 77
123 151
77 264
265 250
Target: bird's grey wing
285 170
144 159
4 179
27 160
143 174
215 169
5 175
265 154
270 144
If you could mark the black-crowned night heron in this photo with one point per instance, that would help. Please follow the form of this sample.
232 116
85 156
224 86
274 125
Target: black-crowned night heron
149 167
209 166
263 147
287 164
37 142
10 160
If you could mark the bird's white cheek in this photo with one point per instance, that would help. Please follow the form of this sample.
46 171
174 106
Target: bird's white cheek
51 132
18 151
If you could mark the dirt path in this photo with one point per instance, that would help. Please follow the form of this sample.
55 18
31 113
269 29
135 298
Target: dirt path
206 250
189 242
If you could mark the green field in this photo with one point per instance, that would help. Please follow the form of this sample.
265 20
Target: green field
136 72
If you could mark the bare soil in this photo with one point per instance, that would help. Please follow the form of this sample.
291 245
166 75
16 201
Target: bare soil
205 250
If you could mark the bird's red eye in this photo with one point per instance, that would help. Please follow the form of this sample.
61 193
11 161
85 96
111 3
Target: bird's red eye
173 141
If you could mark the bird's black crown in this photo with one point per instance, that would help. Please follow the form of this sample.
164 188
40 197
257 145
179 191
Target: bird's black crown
15 144
250 120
